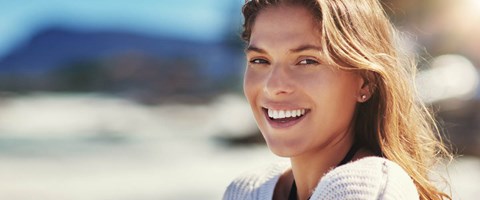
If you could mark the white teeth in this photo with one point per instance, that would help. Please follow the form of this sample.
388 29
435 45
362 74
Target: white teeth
288 113
280 114
275 114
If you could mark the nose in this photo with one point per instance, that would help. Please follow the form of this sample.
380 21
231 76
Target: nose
278 83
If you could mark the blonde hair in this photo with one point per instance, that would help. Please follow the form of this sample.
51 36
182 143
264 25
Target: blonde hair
393 123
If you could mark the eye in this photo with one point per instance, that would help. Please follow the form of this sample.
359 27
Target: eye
308 62
258 61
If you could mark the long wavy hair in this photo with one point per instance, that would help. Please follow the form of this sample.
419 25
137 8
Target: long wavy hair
357 35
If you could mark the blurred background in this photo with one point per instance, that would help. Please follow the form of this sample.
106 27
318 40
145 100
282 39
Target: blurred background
115 100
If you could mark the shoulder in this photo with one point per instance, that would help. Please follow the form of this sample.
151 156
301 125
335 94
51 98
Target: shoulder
367 178
257 184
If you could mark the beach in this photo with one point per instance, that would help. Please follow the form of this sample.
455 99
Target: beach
99 147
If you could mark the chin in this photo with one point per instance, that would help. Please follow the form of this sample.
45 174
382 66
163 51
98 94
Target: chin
281 153
282 148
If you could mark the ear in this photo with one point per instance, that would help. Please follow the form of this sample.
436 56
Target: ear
365 90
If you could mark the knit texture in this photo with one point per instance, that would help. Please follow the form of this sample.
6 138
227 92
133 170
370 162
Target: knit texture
366 178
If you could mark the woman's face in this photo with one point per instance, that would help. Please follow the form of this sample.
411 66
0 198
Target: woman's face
300 104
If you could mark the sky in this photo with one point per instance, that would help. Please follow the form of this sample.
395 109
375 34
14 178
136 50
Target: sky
191 19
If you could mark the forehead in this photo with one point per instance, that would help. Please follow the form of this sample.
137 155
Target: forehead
284 25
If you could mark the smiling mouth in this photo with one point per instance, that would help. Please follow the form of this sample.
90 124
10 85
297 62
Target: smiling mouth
284 118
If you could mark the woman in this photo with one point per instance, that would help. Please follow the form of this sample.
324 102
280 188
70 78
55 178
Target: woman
328 90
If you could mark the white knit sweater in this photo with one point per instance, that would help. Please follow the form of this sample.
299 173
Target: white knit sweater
366 178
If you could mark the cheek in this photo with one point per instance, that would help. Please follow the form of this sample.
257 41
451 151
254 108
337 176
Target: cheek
334 97
251 85
341 107
336 87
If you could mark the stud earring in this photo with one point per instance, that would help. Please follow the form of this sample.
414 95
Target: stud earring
364 97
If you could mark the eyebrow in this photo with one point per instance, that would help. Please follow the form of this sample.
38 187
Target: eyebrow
304 47
255 49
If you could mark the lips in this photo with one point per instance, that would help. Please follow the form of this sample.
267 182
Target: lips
284 118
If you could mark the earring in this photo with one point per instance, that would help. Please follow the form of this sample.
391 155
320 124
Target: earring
364 97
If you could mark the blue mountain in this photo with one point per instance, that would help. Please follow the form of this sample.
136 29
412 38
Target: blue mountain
52 47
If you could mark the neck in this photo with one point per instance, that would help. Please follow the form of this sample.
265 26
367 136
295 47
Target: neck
309 167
